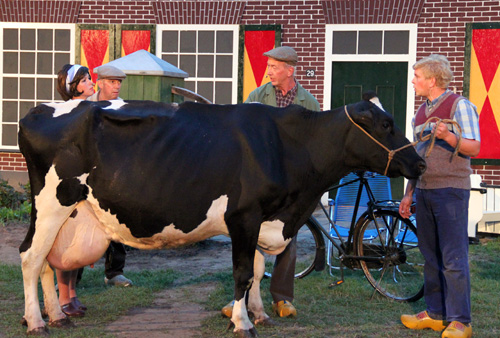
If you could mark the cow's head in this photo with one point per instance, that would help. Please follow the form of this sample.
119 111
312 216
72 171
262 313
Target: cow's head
372 153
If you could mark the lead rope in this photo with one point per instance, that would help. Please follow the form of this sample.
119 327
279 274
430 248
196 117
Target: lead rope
432 136
391 153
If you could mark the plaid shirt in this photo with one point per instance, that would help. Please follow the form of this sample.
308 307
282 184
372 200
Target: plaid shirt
465 115
287 99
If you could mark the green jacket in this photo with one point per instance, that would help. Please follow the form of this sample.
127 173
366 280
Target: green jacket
266 94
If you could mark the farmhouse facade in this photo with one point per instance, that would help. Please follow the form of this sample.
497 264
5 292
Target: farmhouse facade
344 47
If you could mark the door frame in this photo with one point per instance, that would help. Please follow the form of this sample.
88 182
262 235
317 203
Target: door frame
410 58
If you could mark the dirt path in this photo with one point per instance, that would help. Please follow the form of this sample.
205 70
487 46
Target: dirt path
184 316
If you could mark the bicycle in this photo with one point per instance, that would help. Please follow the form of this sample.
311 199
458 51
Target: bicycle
380 242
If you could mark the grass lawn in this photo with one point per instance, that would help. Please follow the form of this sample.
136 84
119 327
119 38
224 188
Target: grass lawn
349 310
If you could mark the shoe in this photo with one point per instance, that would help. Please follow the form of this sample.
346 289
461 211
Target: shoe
422 321
284 309
119 280
77 304
71 311
457 330
228 309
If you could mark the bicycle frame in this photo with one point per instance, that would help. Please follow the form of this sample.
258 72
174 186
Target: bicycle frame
380 242
346 246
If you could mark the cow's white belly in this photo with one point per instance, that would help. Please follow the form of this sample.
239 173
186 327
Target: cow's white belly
271 239
170 237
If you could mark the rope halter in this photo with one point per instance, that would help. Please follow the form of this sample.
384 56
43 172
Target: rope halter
391 153
421 138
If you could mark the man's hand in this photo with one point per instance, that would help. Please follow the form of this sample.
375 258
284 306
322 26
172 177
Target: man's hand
441 131
467 147
404 207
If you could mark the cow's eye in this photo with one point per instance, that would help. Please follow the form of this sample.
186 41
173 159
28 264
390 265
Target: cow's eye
386 125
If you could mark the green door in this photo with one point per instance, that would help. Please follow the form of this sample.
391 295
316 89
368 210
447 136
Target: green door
387 79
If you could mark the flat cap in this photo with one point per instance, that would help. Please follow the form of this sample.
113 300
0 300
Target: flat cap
283 53
109 72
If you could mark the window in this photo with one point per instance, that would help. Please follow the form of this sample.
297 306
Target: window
209 54
30 57
370 42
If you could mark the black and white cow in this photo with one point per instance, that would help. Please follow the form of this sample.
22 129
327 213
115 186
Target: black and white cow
154 175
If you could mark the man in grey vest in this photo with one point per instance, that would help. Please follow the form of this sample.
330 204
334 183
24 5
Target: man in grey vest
442 195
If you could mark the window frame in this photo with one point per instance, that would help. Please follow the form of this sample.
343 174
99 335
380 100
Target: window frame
233 80
35 76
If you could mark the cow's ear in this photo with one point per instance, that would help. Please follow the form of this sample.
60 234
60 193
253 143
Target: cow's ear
364 118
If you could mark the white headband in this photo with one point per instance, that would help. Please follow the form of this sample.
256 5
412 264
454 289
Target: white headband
71 75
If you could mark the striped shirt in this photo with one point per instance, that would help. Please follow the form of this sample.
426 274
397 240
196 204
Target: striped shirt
287 99
465 115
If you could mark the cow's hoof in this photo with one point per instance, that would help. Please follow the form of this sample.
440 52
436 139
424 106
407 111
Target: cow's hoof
39 331
23 322
65 323
268 322
252 333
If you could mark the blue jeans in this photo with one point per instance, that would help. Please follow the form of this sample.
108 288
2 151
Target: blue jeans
442 217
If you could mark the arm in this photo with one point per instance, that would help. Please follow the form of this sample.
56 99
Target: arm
468 119
468 147
404 206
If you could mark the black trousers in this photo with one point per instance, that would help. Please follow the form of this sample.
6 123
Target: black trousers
115 260
282 280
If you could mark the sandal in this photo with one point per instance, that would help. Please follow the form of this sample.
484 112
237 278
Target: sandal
71 311
77 304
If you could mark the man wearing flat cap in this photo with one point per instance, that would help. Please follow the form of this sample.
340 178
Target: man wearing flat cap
109 80
283 90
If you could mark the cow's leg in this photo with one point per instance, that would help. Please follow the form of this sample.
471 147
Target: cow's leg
32 315
56 317
244 237
33 261
255 304
47 217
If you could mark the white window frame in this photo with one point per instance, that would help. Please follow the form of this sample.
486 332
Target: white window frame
410 58
192 77
22 25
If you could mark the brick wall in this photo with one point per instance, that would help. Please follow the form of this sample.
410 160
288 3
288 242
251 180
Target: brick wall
490 174
12 162
39 11
201 12
117 12
372 12
302 28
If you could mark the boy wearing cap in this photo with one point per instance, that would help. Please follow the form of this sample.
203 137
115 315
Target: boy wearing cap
109 80
281 91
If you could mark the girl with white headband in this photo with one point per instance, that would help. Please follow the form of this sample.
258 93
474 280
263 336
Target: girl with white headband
73 83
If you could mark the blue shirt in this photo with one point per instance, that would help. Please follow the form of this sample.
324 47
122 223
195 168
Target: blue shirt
465 115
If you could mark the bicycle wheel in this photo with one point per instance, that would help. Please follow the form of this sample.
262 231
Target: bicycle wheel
394 265
309 240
